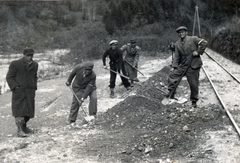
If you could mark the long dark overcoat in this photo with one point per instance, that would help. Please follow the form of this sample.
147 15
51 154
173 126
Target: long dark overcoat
22 80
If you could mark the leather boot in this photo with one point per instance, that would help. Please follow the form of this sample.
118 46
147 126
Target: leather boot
19 122
20 132
112 92
26 129
194 104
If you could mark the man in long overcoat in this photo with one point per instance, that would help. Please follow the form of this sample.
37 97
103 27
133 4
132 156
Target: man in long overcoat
187 61
84 85
22 80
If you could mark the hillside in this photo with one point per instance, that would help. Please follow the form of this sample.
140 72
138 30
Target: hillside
86 26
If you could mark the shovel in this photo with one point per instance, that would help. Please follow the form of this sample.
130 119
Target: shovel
87 118
167 100
134 67
170 101
119 74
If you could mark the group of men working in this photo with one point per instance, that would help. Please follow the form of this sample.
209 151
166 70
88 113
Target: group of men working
126 66
22 76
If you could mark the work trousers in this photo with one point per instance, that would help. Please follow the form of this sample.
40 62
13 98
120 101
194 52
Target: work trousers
113 77
92 107
192 76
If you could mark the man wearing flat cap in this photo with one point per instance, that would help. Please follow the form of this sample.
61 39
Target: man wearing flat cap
187 62
84 85
22 80
132 52
116 64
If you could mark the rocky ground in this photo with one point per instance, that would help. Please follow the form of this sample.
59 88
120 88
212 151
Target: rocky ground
133 127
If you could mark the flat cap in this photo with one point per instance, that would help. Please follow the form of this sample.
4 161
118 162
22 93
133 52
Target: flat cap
28 51
113 42
88 66
133 41
181 28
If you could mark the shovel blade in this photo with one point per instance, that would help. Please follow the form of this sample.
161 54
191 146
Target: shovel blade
166 101
182 100
89 118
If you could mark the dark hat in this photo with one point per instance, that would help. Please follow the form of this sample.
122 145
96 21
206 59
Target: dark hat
133 41
113 42
28 51
181 28
88 65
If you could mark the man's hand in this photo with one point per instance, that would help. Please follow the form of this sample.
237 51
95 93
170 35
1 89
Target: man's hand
81 101
105 67
68 83
172 69
195 53
120 71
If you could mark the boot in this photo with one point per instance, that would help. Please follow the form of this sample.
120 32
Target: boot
132 83
19 122
194 104
136 80
20 132
26 129
112 92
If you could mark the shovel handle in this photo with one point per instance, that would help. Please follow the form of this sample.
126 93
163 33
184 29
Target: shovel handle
80 102
134 67
118 73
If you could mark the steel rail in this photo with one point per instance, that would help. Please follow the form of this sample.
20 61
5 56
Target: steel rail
235 78
222 103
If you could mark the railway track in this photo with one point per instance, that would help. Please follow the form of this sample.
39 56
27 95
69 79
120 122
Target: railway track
224 77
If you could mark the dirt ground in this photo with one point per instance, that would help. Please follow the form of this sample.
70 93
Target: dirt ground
133 127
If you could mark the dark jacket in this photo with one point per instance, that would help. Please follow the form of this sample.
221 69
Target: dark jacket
84 83
22 80
184 52
116 58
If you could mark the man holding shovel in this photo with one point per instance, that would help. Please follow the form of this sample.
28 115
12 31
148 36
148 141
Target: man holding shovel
186 62
84 85
131 60
116 66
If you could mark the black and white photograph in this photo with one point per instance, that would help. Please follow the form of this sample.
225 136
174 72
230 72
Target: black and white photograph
119 81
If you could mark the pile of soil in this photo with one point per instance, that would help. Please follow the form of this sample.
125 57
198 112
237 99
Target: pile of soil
153 130
137 128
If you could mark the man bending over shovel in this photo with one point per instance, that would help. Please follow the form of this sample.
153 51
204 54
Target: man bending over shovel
84 85
186 62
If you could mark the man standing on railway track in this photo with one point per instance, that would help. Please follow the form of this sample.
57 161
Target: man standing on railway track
116 66
22 80
84 85
131 60
186 61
